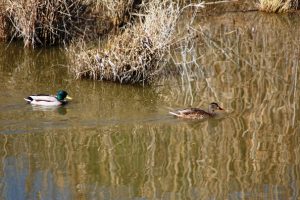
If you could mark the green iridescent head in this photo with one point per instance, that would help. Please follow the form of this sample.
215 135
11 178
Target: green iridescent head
61 95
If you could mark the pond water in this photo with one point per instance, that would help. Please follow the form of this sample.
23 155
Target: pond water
118 141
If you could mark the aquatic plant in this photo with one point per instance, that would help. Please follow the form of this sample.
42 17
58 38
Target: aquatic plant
278 5
136 54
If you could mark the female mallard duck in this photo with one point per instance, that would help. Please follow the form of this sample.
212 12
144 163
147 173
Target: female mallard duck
48 100
196 113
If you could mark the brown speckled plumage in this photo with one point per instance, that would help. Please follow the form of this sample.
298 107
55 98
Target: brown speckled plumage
196 113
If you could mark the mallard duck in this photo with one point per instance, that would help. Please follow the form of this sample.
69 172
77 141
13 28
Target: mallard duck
48 100
197 113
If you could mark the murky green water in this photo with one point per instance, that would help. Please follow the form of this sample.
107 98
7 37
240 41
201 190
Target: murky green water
118 142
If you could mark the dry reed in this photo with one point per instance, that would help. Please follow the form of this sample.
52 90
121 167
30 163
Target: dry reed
3 27
134 56
117 11
40 22
278 5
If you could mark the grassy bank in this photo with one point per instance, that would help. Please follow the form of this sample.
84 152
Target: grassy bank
56 22
138 34
44 23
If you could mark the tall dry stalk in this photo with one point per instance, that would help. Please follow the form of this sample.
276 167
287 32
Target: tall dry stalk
3 24
49 22
116 10
277 5
134 56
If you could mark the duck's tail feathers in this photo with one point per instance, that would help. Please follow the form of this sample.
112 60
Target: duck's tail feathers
175 113
28 99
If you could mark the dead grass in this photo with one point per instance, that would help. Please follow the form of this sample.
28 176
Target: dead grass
278 5
135 55
52 22
117 11
3 32
40 22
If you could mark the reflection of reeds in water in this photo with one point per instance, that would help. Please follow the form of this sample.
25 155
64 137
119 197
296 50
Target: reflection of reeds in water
32 69
237 55
251 63
207 160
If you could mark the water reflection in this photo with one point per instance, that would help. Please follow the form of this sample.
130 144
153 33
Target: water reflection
118 142
62 110
145 161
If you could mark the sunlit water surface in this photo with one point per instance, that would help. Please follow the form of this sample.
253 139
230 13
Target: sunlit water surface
118 142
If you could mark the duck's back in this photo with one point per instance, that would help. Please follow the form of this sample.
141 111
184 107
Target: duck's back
191 113
42 97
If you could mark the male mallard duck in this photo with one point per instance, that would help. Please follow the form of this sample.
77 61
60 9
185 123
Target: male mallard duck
196 113
48 100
